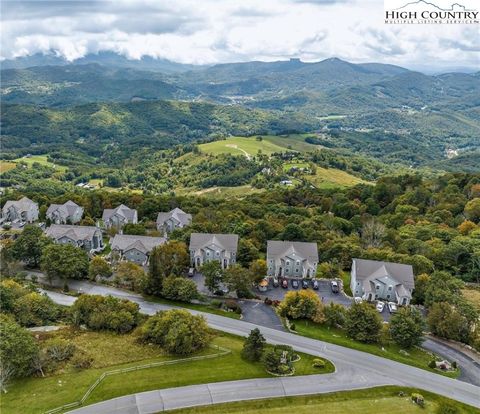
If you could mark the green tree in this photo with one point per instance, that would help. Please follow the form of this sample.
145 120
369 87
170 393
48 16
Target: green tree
179 288
177 331
334 315
253 346
472 210
406 327
446 321
64 261
363 323
303 304
30 244
421 283
442 287
258 270
17 351
214 274
169 259
135 229
130 276
99 267
239 280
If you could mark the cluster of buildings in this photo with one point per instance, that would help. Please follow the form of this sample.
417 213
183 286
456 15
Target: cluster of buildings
370 279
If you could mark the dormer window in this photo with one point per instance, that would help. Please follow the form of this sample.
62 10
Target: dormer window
288 262
298 263
390 287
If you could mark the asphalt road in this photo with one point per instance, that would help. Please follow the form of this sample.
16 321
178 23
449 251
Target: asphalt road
358 366
469 369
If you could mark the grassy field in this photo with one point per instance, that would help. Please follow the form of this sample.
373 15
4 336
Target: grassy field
295 142
36 395
374 400
224 192
6 166
247 146
331 177
41 159
473 296
417 357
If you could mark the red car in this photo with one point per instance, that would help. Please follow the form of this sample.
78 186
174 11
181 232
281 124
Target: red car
285 284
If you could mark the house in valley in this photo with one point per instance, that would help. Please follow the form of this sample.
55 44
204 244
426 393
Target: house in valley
86 237
375 280
118 217
24 210
67 213
206 247
174 219
135 248
291 259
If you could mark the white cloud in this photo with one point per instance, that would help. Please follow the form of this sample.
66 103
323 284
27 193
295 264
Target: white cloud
213 31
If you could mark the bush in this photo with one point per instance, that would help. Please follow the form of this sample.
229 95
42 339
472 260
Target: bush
215 303
177 331
292 326
105 313
319 363
35 309
274 361
82 360
432 364
418 399
59 350
454 364
179 288
233 306
363 323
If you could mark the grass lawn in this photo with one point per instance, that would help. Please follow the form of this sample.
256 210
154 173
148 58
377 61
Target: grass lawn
41 159
288 165
295 142
110 351
6 166
374 400
198 307
247 146
417 357
331 177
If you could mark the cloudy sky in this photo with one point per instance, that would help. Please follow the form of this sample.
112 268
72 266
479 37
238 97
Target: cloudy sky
213 31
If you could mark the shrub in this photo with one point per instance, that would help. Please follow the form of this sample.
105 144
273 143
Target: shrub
215 303
59 349
319 363
177 331
35 309
406 327
363 323
81 360
230 304
179 288
454 365
418 399
275 362
334 315
432 364
105 313
292 326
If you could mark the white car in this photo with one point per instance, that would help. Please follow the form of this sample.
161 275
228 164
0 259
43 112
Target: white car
380 306
358 299
392 307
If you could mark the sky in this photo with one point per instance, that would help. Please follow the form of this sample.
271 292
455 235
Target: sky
218 31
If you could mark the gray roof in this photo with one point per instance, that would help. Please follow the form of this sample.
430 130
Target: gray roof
277 249
145 244
24 204
184 218
121 210
65 210
372 269
229 242
58 231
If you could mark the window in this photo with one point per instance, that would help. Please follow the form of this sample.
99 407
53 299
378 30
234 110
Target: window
217 253
390 287
298 263
296 270
286 270
208 253
388 296
377 287
288 262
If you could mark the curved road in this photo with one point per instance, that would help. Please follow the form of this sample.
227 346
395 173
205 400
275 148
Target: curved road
355 369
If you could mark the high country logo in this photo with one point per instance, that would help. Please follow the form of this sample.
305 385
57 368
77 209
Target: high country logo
425 12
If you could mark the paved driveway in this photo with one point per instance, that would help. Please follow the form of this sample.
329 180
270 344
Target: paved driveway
257 312
359 367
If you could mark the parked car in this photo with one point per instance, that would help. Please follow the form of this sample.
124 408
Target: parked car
191 272
380 306
392 307
275 282
334 286
285 283
305 284
295 283
315 284
358 299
